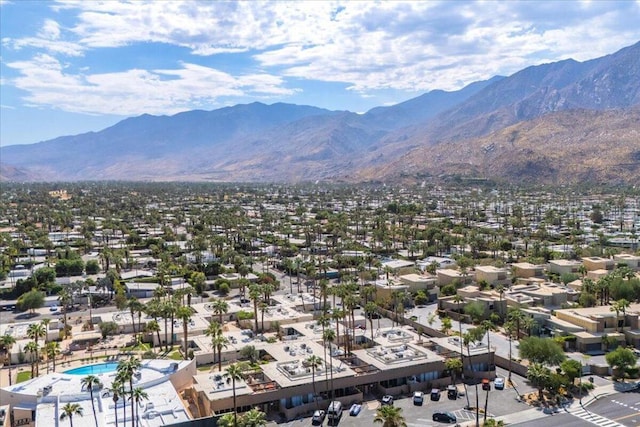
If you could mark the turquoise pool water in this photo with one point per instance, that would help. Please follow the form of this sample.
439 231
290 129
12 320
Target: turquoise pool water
100 368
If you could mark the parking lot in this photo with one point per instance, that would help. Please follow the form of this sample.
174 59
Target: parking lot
501 402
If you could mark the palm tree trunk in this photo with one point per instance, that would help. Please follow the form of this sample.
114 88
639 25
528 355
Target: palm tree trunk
133 418
93 406
235 406
186 335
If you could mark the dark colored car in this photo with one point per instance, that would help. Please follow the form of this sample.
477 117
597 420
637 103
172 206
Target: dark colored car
444 417
486 384
435 394
452 392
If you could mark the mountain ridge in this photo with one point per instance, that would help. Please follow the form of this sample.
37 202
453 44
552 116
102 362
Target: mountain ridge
292 143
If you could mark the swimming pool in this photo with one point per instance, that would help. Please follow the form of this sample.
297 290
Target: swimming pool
100 368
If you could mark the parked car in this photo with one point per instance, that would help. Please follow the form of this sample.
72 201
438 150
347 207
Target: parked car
498 383
486 384
452 392
418 398
387 399
318 417
355 409
54 307
444 417
435 394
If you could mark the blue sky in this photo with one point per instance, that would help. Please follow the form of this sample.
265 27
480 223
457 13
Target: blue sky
69 67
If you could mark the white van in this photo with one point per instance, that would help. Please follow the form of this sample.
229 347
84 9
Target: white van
334 412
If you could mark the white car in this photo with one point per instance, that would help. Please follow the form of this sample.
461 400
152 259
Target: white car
498 383
418 398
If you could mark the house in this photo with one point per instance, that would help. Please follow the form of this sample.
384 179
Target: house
564 266
447 275
492 275
598 263
631 261
526 270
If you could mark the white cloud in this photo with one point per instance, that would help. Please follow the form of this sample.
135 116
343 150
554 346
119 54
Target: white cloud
132 92
409 46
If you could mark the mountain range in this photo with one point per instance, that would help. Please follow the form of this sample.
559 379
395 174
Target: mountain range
565 122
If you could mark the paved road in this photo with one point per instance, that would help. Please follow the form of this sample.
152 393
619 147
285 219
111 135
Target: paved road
616 410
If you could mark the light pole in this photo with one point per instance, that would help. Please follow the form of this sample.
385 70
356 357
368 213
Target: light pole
580 382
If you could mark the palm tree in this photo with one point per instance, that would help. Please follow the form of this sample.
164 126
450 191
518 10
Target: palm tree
619 306
329 336
65 298
220 307
7 342
509 328
487 326
370 309
254 295
390 416
135 306
220 342
52 349
138 394
213 330
128 369
254 418
152 327
89 382
234 372
314 362
538 374
32 348
116 387
36 331
70 410
184 314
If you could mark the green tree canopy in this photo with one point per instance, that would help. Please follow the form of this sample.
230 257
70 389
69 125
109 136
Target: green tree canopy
541 350
31 300
620 360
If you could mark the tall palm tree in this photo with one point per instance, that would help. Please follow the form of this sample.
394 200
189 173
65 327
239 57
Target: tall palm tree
214 329
69 411
45 325
116 387
220 307
390 416
488 326
65 299
184 313
52 349
138 394
127 369
32 348
89 382
7 342
234 372
135 307
254 295
220 342
36 331
314 362
329 336
152 327
509 328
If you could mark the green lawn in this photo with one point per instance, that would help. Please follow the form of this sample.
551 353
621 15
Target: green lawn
23 376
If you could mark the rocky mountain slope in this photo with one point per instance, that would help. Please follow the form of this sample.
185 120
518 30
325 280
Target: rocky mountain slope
557 123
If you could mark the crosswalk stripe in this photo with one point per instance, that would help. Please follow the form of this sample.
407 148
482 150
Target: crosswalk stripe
594 418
